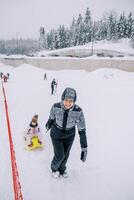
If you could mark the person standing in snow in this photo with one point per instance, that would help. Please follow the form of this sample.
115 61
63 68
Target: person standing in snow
5 78
53 86
45 76
8 75
1 75
33 130
64 116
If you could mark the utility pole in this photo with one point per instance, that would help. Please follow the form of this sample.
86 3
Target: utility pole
92 40
17 42
0 46
92 47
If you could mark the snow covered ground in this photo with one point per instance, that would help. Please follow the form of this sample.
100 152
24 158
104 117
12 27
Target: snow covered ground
117 49
121 49
107 99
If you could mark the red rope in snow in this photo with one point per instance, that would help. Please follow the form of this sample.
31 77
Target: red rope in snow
15 174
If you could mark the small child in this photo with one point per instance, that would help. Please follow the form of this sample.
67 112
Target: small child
33 130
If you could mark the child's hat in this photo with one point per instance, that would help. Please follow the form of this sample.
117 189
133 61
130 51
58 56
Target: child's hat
35 118
69 93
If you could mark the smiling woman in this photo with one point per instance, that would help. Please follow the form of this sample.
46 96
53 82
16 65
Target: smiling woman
68 103
64 116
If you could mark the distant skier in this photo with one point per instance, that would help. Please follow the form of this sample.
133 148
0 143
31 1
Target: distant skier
5 78
1 75
33 130
45 76
8 75
53 86
64 116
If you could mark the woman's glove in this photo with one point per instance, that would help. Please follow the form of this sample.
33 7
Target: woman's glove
83 154
49 124
47 128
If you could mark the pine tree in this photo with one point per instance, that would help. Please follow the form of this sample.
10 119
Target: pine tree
2 47
68 37
79 31
121 26
62 37
132 35
56 39
88 29
51 39
112 26
42 39
97 29
102 29
71 33
129 25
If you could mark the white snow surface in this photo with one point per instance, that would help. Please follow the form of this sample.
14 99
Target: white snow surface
122 46
119 50
107 99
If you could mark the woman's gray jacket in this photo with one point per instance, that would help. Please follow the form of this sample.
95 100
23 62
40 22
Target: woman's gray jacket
63 122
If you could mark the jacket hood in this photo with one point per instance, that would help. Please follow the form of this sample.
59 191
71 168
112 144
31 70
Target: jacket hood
69 93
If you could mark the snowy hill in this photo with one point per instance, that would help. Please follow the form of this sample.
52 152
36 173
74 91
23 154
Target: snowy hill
103 48
106 96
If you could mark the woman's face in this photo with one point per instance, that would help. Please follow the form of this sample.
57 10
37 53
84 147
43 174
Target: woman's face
68 103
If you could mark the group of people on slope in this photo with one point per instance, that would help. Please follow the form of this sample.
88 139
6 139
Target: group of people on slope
53 84
4 77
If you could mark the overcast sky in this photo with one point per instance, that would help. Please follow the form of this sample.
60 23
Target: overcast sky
24 17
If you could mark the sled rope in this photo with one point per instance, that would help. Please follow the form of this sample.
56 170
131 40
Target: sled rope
15 174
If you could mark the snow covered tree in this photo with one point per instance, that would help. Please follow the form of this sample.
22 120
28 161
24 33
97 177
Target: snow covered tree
129 25
102 29
79 36
121 26
68 41
112 26
71 33
132 36
2 47
25 46
56 39
51 39
62 37
84 30
42 39
95 30
87 29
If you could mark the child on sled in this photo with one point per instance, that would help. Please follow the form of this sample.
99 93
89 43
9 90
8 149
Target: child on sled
33 131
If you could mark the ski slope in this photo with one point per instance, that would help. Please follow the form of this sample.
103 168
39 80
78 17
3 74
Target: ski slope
107 99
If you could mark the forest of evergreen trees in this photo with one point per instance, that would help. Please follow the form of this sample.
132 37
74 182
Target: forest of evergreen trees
81 31
19 46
